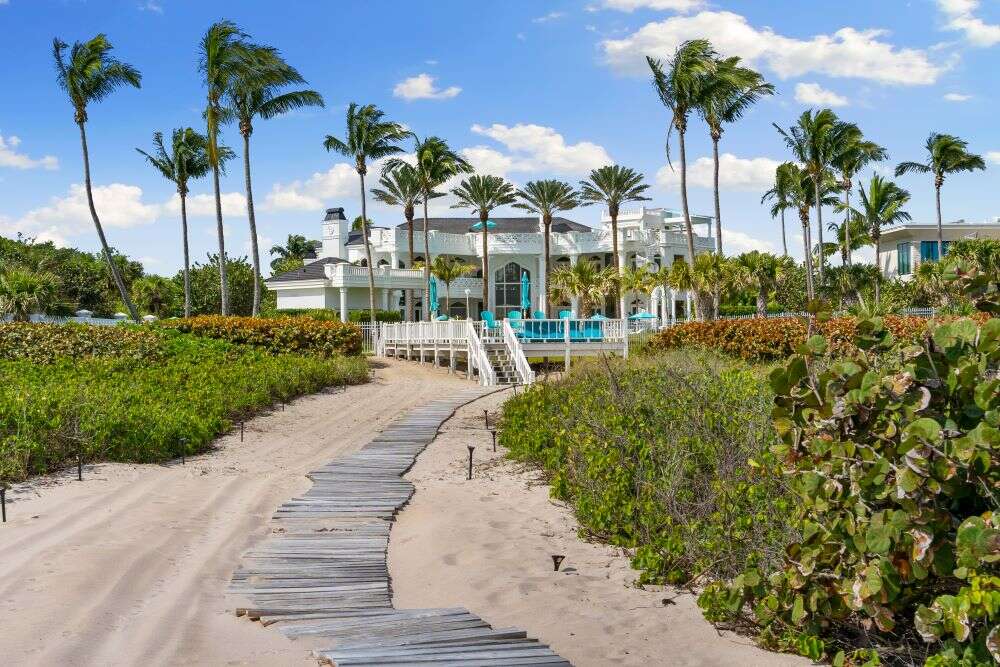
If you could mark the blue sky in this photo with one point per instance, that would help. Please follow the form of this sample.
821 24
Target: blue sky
528 89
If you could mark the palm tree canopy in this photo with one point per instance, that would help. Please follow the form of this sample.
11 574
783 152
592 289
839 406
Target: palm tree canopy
728 92
855 154
90 73
401 187
187 157
784 177
434 161
369 136
818 140
256 92
762 270
613 185
882 205
946 154
801 195
449 269
858 231
585 280
639 280
681 82
296 246
482 194
547 197
23 292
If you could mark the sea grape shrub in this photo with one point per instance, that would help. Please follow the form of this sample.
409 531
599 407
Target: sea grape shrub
892 455
45 343
277 335
666 456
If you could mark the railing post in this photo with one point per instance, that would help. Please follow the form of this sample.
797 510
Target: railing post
566 352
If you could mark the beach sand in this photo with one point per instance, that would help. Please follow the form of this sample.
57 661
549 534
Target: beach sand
486 545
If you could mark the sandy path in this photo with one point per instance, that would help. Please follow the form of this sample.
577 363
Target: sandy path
486 544
131 566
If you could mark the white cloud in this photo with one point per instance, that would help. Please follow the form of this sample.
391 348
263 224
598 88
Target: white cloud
488 160
339 181
960 17
957 97
735 242
421 87
658 5
813 93
539 148
735 173
551 16
993 156
848 52
9 157
151 6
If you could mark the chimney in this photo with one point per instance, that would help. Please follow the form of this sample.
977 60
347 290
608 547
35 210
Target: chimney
335 231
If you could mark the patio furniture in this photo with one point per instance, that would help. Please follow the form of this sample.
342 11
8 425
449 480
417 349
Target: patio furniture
565 314
442 318
538 315
487 317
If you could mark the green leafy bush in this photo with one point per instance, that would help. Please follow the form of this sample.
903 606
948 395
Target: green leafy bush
44 343
892 455
665 455
277 335
128 407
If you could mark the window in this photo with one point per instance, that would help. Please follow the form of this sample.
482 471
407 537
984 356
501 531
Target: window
507 287
679 258
903 259
928 251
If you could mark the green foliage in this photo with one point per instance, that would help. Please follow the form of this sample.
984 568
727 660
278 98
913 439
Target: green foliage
277 335
890 452
158 296
143 407
206 294
665 455
45 343
24 292
359 316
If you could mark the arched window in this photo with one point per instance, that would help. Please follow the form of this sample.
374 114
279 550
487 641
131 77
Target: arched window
383 262
363 262
507 287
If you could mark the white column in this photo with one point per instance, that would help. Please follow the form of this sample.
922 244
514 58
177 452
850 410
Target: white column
343 304
394 259
385 299
687 304
574 302
622 255
542 287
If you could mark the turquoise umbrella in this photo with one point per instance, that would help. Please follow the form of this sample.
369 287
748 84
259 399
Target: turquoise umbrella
478 227
525 291
644 315
434 296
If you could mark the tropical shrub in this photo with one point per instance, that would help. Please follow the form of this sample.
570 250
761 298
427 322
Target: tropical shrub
892 454
665 455
130 407
276 335
355 316
44 343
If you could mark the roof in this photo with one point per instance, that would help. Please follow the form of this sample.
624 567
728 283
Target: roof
958 227
311 271
509 225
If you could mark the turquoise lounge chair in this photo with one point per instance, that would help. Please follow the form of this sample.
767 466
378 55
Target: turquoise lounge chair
538 315
516 322
565 314
487 317
441 318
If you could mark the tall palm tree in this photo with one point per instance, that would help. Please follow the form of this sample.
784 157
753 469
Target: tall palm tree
547 198
296 247
256 93
762 271
637 281
369 137
816 141
88 75
448 270
710 275
946 154
614 185
856 154
225 55
730 90
881 206
482 194
187 158
802 197
850 235
435 163
680 86
585 281
401 187
779 194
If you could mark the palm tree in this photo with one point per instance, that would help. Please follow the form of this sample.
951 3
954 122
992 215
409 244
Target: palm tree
155 294
881 205
23 292
946 154
585 281
614 185
88 76
710 275
448 270
546 198
779 193
763 272
435 163
662 279
983 254
296 247
482 194
730 90
225 56
802 197
369 137
816 141
637 281
256 93
856 154
681 87
186 159
851 235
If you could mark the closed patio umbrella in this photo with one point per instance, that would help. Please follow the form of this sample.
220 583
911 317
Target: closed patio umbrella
643 315
434 297
525 291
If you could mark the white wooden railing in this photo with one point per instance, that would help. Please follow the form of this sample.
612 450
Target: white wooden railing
478 359
517 354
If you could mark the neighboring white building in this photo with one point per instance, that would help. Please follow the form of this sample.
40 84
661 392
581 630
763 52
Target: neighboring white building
338 278
906 245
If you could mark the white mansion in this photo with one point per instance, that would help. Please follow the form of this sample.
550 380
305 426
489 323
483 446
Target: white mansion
338 277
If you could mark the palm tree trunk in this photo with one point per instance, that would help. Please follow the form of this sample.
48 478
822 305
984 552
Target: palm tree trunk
368 253
223 281
784 240
806 233
427 267
715 183
486 261
819 222
937 196
616 288
115 273
547 221
254 250
447 299
684 202
762 300
878 264
187 256
409 292
847 223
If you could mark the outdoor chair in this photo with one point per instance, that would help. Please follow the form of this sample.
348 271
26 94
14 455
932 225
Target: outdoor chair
538 315
487 317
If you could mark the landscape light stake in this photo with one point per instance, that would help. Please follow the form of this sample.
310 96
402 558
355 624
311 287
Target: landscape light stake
486 417
494 434
184 451
241 430
556 562
79 465
471 448
3 503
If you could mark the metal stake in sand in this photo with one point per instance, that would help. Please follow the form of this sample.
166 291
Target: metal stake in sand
3 503
557 560
471 448
494 434
184 442
79 465
486 417
241 430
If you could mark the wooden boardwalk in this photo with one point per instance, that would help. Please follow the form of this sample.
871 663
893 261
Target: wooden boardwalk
323 577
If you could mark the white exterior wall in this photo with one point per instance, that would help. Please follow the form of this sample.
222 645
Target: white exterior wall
304 297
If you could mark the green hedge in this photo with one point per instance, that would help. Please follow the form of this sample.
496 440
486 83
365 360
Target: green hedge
44 343
662 455
125 408
278 335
